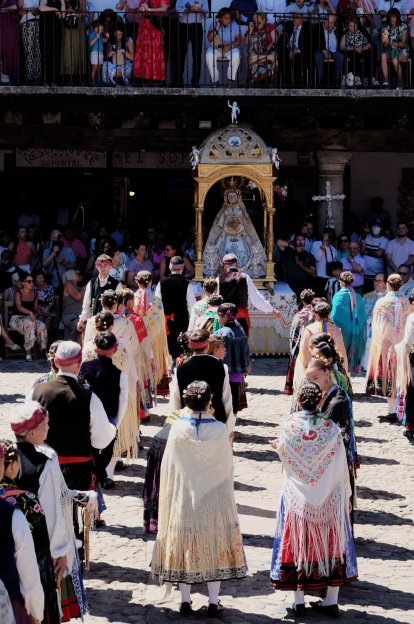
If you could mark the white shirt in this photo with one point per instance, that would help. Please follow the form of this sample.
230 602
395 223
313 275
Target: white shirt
101 430
192 17
330 40
87 303
407 288
272 7
175 397
190 296
293 8
294 39
26 563
255 299
322 258
399 252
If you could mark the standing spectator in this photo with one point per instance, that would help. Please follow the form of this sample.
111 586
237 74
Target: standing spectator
71 304
395 47
356 264
334 269
28 217
400 250
25 321
408 282
225 42
139 263
57 259
9 272
97 39
9 37
29 26
74 41
190 30
24 251
348 313
388 323
75 244
300 266
324 252
373 247
149 60
51 17
132 18
237 357
343 247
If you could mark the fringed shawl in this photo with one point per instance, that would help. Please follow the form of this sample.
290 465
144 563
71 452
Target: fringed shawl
316 491
198 537
296 329
348 313
154 319
388 323
403 350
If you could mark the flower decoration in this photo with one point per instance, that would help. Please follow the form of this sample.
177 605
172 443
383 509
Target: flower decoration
281 191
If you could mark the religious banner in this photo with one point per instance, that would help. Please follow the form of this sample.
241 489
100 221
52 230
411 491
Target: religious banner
60 159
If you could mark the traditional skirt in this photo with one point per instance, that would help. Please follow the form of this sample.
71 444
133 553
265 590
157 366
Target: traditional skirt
405 402
287 575
289 376
152 479
47 578
163 388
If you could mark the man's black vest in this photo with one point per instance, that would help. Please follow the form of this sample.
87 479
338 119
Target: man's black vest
103 379
97 290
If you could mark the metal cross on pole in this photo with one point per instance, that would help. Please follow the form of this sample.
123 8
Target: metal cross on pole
328 197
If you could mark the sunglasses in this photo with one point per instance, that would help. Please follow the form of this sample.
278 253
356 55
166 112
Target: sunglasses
28 282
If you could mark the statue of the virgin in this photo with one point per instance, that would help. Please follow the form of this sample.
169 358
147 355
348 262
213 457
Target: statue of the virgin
233 232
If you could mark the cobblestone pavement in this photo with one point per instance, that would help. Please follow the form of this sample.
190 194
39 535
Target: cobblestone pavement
118 583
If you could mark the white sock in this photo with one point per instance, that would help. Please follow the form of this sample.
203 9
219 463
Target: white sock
111 467
299 597
331 597
185 590
392 406
213 591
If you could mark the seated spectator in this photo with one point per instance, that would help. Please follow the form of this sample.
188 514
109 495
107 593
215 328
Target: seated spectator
24 251
355 263
57 259
333 269
119 265
45 294
359 53
139 263
260 41
9 272
118 68
25 321
72 300
225 42
326 43
395 47
8 342
294 50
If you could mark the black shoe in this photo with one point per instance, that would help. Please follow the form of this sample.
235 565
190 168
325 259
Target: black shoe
391 417
408 433
214 609
331 611
186 609
120 465
109 484
300 610
145 420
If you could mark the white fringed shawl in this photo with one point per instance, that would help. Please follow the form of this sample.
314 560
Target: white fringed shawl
403 350
316 491
198 537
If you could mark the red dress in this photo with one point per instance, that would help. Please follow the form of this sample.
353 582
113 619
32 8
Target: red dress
149 60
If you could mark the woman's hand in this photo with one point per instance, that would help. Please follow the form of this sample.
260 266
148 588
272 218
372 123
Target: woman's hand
274 443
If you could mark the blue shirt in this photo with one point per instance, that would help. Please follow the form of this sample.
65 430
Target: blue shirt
190 17
98 46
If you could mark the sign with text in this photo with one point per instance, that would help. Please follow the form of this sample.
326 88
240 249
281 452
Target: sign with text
60 159
150 160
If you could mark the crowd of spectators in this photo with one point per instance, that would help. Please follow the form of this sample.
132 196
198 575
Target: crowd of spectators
349 43
43 273
307 261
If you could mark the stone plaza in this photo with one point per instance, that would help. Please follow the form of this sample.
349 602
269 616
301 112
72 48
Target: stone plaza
119 584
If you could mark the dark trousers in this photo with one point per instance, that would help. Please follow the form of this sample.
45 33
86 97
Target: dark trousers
235 395
362 65
190 33
171 48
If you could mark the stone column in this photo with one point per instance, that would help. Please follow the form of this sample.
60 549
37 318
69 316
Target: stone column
331 164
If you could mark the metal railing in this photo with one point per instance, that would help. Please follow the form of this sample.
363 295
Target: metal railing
200 49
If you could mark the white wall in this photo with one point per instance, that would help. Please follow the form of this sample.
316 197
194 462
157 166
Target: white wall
377 175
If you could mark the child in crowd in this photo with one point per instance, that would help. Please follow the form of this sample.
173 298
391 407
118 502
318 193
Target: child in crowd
96 47
333 269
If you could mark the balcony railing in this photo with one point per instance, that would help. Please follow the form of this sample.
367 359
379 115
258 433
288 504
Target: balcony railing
201 49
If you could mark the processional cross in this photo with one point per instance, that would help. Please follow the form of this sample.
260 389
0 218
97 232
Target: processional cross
328 197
